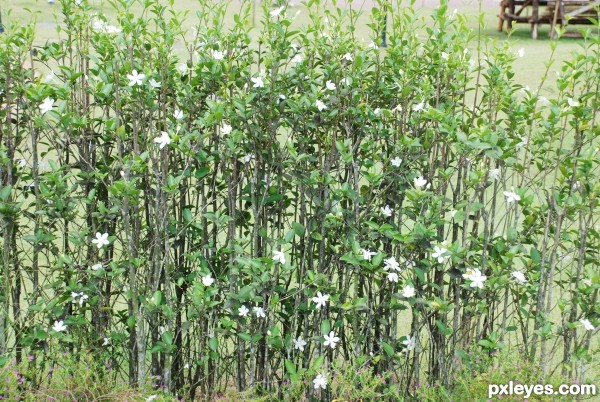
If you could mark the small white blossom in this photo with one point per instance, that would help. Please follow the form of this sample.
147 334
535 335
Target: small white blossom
178 114
393 277
218 55
46 106
243 311
331 340
420 182
320 299
396 162
135 78
495 173
259 312
330 85
521 52
391 263
105 341
418 107
476 278
247 158
299 343
439 254
297 59
226 129
320 382
348 57
409 342
279 256
59 326
182 68
101 240
367 254
520 277
511 196
96 267
277 11
408 291
572 103
163 139
386 211
587 324
258 82
208 280
320 105
153 83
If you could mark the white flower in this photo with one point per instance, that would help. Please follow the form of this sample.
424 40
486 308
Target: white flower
243 311
373 45
59 326
367 254
346 81
320 105
320 299
572 103
259 312
409 342
163 140
521 52
96 267
226 129
247 158
495 173
330 85
297 59
386 211
105 341
46 106
258 82
277 11
111 29
438 253
393 277
420 182
510 197
348 57
543 101
135 78
153 83
377 111
208 280
151 398
82 298
279 256
587 324
418 107
391 263
299 343
331 340
475 277
408 291
520 277
396 162
182 68
101 239
218 55
445 56
178 114
320 382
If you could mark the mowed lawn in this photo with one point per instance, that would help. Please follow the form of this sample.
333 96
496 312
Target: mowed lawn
529 69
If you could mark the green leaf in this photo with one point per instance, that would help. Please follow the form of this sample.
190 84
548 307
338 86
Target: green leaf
325 327
290 367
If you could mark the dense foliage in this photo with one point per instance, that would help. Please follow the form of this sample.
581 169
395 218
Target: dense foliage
239 207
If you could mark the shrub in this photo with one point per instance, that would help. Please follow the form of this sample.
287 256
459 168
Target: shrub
237 208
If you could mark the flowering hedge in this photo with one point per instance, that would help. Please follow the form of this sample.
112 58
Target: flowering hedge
238 207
